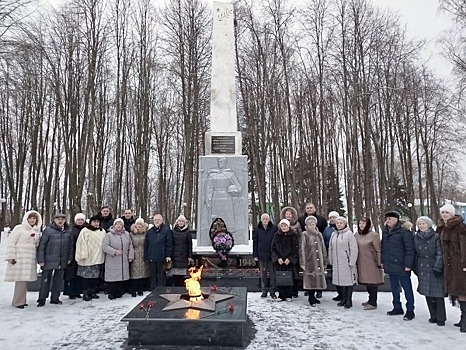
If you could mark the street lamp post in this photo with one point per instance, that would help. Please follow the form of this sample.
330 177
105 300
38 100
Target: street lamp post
2 218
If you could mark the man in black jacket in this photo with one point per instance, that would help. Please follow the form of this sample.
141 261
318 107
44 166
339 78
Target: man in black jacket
128 219
262 237
54 254
398 257
158 247
106 218
310 209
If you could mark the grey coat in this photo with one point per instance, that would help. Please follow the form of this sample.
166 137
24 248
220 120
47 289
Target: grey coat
117 266
313 259
55 248
343 254
429 258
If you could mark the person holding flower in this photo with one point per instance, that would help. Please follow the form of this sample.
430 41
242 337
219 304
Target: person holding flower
21 256
222 240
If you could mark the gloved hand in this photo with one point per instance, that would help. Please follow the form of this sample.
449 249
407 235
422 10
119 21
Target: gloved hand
438 273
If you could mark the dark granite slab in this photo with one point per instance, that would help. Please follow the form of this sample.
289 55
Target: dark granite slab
189 326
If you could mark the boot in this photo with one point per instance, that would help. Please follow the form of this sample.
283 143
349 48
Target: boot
349 296
343 297
87 295
463 317
311 298
339 291
93 294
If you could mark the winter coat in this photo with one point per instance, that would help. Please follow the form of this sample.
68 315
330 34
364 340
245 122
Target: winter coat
21 246
328 234
343 254
285 246
106 222
453 238
429 258
138 268
55 247
72 268
398 250
128 222
313 259
369 258
294 223
158 244
182 246
89 246
117 266
262 241
321 222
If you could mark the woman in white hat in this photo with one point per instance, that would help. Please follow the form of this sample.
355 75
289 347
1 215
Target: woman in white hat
343 254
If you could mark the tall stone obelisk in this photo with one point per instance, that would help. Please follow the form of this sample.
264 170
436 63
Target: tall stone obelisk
223 172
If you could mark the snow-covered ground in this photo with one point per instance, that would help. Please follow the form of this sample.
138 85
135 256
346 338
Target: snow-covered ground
279 325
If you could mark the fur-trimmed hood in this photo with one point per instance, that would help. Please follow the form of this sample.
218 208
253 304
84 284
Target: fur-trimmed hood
135 231
25 223
294 220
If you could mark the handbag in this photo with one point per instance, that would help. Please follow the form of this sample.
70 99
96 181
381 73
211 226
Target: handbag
283 278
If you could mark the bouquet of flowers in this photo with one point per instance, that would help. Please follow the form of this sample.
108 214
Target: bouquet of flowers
222 240
222 243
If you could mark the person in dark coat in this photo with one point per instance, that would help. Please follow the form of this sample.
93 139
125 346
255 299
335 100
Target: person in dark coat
128 219
54 254
398 256
262 237
310 210
182 255
106 218
291 214
158 248
452 232
73 282
429 269
285 255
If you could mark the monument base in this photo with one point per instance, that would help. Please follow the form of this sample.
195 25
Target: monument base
189 326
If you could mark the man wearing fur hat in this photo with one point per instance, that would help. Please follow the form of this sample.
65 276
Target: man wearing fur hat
398 257
452 232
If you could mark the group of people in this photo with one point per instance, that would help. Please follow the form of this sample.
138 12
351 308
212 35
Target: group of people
312 245
121 254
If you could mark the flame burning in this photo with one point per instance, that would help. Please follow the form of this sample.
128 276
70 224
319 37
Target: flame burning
193 285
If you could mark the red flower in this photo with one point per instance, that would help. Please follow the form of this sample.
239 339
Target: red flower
141 306
150 304
231 307
213 288
33 234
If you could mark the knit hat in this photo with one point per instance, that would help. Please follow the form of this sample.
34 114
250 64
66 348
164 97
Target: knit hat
181 217
139 220
392 214
333 214
119 220
79 216
449 208
309 219
342 218
284 221
426 219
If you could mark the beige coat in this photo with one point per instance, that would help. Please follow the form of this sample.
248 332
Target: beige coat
138 268
369 259
22 247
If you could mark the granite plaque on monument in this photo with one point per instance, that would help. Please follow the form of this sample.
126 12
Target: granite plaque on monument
222 144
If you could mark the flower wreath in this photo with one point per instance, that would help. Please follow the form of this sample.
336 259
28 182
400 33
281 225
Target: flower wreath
222 240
